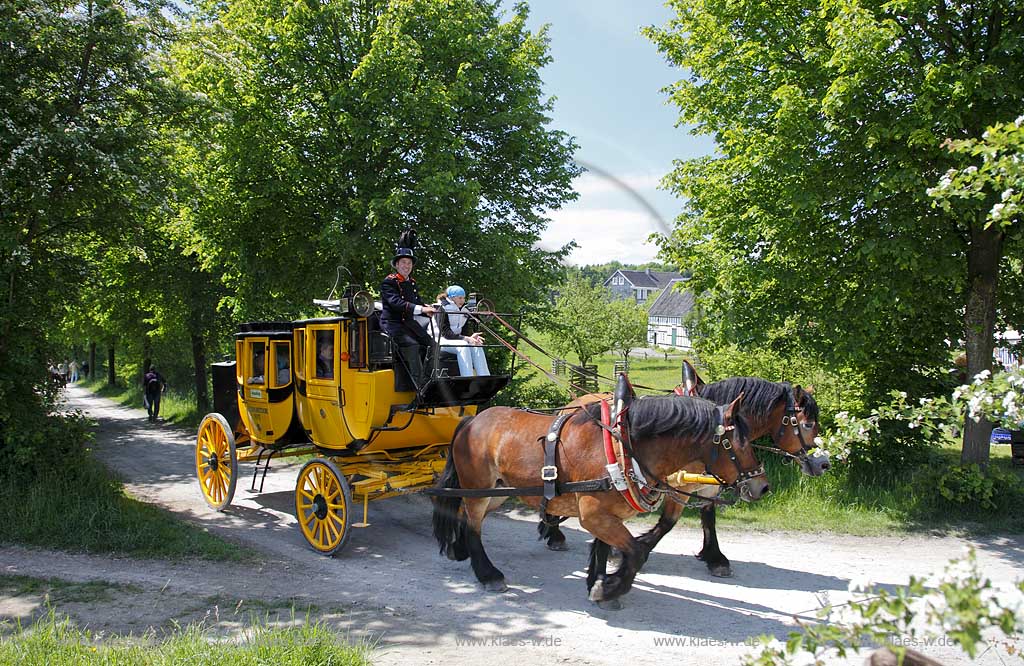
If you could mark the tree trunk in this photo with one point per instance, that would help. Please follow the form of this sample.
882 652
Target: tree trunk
92 361
111 376
983 257
199 363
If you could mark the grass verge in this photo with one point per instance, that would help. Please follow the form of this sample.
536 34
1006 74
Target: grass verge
53 641
80 507
839 503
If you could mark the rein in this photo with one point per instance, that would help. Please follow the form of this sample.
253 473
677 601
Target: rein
522 336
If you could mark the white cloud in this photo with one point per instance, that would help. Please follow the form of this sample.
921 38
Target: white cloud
593 183
603 235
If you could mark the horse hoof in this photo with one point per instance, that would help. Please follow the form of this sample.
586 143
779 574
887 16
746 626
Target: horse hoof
559 546
496 585
721 571
610 604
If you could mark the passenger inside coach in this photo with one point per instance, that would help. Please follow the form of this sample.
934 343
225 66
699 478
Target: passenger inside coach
325 354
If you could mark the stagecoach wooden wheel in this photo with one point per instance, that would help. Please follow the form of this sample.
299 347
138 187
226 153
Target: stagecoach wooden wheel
216 461
323 506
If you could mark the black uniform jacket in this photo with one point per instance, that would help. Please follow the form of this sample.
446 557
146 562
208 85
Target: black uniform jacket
399 297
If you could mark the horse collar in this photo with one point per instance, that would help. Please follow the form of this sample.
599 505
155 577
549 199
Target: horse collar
625 471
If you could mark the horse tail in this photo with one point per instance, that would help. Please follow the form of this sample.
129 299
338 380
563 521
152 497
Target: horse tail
449 527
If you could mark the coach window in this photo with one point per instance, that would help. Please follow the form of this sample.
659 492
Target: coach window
258 367
325 354
300 354
282 364
357 344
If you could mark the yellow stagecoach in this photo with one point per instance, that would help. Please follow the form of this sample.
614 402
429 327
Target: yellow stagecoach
327 387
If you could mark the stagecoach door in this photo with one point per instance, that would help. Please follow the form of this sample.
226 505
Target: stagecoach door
325 398
252 363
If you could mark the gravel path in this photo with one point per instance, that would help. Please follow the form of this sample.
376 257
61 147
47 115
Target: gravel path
390 585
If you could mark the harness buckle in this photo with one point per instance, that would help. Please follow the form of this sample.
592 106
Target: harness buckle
726 444
617 477
548 473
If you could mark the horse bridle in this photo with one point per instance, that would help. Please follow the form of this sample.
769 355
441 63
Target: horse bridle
789 419
720 439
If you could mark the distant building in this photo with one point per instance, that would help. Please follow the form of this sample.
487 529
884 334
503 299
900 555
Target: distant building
639 285
666 317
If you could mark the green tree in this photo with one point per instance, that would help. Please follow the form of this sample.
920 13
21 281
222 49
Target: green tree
990 192
81 101
627 326
811 227
579 322
334 126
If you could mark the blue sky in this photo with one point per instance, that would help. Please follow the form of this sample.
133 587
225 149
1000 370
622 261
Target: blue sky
607 80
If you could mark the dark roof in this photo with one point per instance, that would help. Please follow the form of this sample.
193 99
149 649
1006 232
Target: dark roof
672 302
655 279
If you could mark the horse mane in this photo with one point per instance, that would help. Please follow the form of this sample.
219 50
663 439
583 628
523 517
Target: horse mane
759 395
652 416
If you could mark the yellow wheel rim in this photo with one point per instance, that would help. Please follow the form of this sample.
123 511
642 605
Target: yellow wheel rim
216 463
322 500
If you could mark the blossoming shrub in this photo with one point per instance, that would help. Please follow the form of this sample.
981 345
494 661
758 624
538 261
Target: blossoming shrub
907 436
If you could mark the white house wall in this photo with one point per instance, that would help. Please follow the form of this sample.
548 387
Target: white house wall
661 335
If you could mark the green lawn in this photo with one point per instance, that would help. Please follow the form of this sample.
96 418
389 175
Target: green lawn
82 508
55 642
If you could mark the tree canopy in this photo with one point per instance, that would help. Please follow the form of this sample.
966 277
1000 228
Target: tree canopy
171 168
332 127
81 102
811 228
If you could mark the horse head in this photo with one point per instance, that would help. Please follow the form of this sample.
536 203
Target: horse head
799 429
732 457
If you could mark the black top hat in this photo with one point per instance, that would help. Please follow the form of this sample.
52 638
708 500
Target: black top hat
406 243
403 252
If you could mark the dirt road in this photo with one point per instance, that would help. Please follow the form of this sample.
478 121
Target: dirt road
391 586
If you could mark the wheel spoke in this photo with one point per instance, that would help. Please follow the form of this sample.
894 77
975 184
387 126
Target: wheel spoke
331 529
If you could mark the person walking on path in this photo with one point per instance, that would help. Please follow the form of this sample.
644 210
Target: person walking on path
154 386
73 367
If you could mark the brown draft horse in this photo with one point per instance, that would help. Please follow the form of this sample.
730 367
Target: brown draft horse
501 447
787 414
